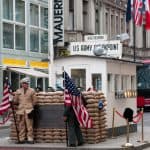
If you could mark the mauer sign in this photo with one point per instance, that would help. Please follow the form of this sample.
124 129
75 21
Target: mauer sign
101 48
58 22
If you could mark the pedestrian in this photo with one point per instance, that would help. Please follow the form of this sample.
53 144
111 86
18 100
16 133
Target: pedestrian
26 99
74 131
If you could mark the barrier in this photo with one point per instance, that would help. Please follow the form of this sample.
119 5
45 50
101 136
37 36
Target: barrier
128 116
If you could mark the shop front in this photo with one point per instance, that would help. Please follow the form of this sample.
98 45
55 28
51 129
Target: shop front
16 69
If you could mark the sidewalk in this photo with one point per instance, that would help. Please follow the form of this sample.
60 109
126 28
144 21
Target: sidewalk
110 144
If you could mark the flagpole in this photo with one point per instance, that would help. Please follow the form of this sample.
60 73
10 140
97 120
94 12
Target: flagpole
66 127
50 41
134 42
134 35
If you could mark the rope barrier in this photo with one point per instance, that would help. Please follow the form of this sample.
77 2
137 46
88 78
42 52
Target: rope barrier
139 118
139 115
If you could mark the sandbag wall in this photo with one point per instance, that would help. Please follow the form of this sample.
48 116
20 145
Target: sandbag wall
99 131
53 135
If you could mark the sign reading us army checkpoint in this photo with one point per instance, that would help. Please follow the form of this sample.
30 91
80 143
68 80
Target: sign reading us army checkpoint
108 48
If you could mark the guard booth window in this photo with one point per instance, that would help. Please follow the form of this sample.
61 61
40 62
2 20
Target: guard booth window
79 77
97 81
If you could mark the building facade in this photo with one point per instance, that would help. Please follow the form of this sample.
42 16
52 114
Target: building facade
24 40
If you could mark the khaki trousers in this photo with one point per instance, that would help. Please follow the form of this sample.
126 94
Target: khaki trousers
25 128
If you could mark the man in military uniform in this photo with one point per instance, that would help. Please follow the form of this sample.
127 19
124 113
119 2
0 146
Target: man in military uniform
26 99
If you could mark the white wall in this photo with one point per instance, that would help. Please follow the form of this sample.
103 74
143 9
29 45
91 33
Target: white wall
98 65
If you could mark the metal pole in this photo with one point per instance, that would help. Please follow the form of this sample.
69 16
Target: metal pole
15 121
113 123
142 127
127 131
50 41
134 39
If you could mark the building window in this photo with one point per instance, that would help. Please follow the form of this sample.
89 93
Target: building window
44 17
8 9
97 81
117 83
110 82
85 15
20 11
112 25
71 15
34 40
20 37
44 42
106 23
8 35
34 15
79 77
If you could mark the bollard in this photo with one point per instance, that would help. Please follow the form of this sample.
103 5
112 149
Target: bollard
127 144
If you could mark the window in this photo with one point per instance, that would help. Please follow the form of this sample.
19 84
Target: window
117 83
34 40
133 82
112 25
97 81
71 15
44 42
20 37
85 15
34 15
20 11
8 35
14 81
8 9
79 77
110 82
44 17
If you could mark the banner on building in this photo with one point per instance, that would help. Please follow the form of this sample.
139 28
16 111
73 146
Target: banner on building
58 22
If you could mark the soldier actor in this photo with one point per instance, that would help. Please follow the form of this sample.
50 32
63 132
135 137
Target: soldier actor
26 99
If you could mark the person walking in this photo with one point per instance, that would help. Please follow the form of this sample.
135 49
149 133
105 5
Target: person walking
74 131
26 99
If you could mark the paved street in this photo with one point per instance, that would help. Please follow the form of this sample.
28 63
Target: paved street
109 144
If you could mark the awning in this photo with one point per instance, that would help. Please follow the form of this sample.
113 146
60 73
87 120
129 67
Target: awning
29 71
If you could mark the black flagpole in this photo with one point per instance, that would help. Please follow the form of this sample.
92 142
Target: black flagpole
134 42
17 131
66 127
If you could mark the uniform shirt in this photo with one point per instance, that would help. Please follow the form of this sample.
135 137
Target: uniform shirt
25 100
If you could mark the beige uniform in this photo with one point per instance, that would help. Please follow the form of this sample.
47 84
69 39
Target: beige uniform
26 99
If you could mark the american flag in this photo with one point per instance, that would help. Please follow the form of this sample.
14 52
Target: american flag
136 10
147 14
5 105
73 97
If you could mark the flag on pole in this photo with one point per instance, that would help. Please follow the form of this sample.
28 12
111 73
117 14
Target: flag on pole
147 14
136 11
73 98
5 105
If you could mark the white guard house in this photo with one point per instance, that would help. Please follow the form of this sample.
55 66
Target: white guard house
115 77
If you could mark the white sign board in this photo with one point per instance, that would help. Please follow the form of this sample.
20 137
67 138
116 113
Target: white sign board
58 22
106 48
88 38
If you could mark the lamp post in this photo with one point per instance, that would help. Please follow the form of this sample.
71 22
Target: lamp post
50 41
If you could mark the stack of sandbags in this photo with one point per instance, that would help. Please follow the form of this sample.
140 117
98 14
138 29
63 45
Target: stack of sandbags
98 133
50 135
47 98
54 135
